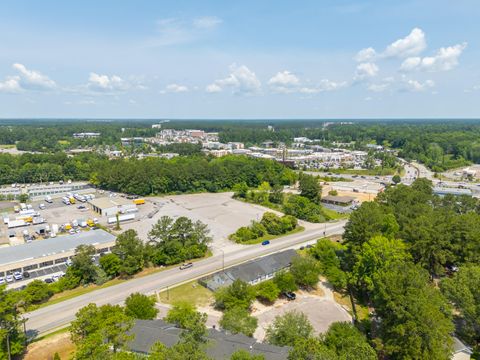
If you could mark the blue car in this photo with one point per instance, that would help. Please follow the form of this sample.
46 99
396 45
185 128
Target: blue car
266 242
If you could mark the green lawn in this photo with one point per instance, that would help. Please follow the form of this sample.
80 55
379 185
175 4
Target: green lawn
334 215
191 292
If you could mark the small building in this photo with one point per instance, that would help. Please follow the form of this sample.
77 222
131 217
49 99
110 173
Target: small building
252 272
112 206
338 200
221 345
460 350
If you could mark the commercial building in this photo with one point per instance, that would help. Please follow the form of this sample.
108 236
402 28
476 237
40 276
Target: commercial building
35 192
112 206
442 191
43 254
338 200
252 272
221 345
86 135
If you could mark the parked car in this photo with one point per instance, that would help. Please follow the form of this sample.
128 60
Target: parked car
9 278
2 280
17 275
290 295
42 206
48 280
186 266
81 207
266 242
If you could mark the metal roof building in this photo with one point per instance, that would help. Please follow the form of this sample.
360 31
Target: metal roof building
252 272
43 253
220 344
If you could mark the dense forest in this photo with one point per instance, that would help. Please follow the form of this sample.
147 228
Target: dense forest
438 144
147 176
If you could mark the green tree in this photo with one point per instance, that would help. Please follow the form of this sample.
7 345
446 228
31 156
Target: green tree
288 328
267 291
285 281
140 306
330 263
83 266
172 241
110 263
10 324
396 179
237 320
305 271
377 254
303 208
311 348
97 329
131 252
36 292
310 187
414 318
240 190
348 342
181 313
463 290
238 294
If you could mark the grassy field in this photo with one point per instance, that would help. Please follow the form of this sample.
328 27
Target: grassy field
191 292
334 215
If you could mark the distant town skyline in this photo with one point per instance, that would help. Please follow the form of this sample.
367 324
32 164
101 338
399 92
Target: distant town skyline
241 60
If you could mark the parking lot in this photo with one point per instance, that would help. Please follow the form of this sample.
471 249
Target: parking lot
321 310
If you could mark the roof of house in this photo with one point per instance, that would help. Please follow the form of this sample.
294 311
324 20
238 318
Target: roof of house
250 270
459 346
107 202
220 344
60 244
338 199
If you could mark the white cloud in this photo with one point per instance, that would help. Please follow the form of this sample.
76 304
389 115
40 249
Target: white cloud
241 81
378 87
173 31
411 45
105 83
11 85
366 54
445 59
175 88
207 22
417 86
32 79
284 82
366 70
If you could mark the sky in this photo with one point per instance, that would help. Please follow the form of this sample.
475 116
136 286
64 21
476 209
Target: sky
240 59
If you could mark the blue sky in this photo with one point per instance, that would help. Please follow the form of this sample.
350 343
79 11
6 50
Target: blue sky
240 59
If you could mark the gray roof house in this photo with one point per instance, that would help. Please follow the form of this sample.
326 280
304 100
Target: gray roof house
252 272
220 344
460 350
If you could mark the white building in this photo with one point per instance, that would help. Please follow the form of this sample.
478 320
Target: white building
112 206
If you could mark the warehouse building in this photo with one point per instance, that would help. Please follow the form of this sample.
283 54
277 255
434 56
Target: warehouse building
36 192
43 254
112 206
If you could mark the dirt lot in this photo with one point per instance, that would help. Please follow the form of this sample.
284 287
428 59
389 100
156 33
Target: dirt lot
46 348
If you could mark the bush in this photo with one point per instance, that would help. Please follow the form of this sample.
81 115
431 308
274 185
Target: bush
287 329
305 271
238 295
285 281
271 224
37 292
303 208
267 291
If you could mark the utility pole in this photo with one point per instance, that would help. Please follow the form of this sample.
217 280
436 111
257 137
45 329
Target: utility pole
8 345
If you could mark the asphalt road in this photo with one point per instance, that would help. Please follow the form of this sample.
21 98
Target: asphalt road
58 315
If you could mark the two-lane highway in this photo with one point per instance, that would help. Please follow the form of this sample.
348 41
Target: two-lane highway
61 314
